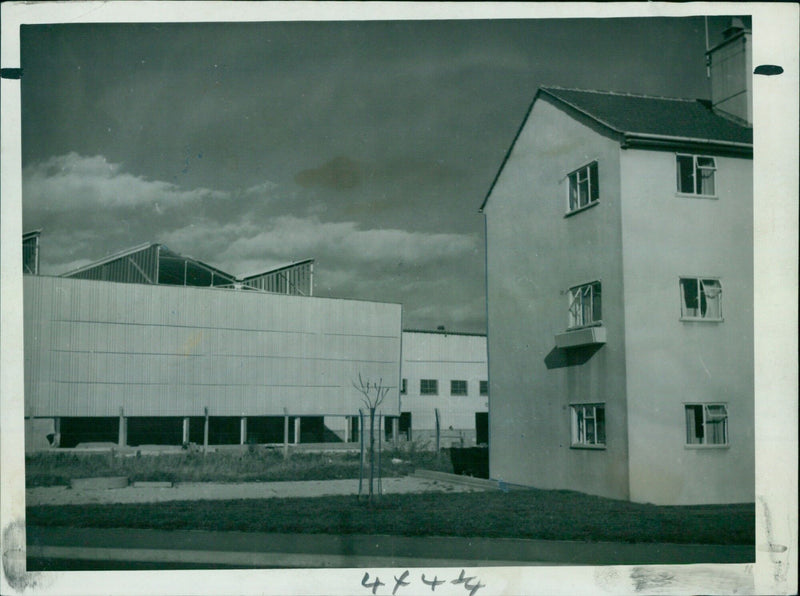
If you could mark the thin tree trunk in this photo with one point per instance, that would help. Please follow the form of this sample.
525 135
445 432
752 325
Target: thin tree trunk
371 451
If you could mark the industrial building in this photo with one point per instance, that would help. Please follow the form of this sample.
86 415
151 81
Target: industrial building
444 385
620 293
150 347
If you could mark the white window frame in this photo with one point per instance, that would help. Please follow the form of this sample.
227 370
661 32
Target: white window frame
435 387
583 418
483 387
403 386
707 288
690 428
578 177
696 169
576 309
466 387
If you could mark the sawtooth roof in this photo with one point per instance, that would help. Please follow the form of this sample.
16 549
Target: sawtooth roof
663 116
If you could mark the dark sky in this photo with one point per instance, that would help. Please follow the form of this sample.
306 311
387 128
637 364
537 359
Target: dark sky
368 146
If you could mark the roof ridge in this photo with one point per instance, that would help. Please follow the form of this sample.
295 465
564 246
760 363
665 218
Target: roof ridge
621 93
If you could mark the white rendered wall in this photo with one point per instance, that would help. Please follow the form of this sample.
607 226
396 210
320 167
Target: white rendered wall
670 362
444 357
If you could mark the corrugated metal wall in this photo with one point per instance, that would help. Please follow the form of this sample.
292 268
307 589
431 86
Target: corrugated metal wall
292 280
30 254
92 347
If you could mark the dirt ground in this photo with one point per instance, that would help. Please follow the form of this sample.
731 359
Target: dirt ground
62 495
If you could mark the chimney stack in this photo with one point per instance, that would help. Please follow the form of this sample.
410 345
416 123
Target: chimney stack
731 64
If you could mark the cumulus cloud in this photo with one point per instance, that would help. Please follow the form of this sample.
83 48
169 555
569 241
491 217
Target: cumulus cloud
291 237
69 182
90 208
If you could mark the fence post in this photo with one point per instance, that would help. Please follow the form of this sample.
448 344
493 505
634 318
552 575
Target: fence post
205 431
285 433
122 437
436 412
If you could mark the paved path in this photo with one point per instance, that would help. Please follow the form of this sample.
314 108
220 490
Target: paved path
62 495
256 549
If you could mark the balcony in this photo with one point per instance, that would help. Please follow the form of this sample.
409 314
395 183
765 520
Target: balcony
585 336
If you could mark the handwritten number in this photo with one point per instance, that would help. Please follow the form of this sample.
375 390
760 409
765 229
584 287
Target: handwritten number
374 585
434 582
475 588
461 579
400 582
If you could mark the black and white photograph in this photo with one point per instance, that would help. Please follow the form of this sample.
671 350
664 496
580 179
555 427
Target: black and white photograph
399 298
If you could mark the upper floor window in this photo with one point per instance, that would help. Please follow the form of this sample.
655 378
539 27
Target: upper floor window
706 424
428 387
585 304
404 386
458 387
584 187
696 174
484 387
588 425
701 298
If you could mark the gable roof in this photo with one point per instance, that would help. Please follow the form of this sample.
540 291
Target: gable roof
674 118
644 120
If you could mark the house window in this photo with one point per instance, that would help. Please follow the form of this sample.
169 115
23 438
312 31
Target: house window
696 174
706 424
428 387
484 387
585 304
404 386
458 387
588 425
584 187
701 298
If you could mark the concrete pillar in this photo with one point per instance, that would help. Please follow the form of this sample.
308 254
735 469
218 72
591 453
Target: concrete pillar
185 439
285 433
347 429
395 426
56 432
205 430
296 430
122 438
243 430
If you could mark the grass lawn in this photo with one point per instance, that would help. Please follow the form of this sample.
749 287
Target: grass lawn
258 464
553 515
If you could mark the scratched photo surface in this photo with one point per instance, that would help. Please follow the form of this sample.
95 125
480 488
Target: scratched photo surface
389 294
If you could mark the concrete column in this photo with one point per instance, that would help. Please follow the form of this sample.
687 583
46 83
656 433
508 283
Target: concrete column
185 439
122 438
285 433
205 430
347 429
296 430
395 426
243 430
57 432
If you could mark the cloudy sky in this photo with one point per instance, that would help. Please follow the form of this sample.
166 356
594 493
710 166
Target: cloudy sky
368 146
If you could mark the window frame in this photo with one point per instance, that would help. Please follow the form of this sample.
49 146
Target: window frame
705 421
575 322
423 391
403 386
483 388
457 393
593 187
578 435
695 169
702 296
